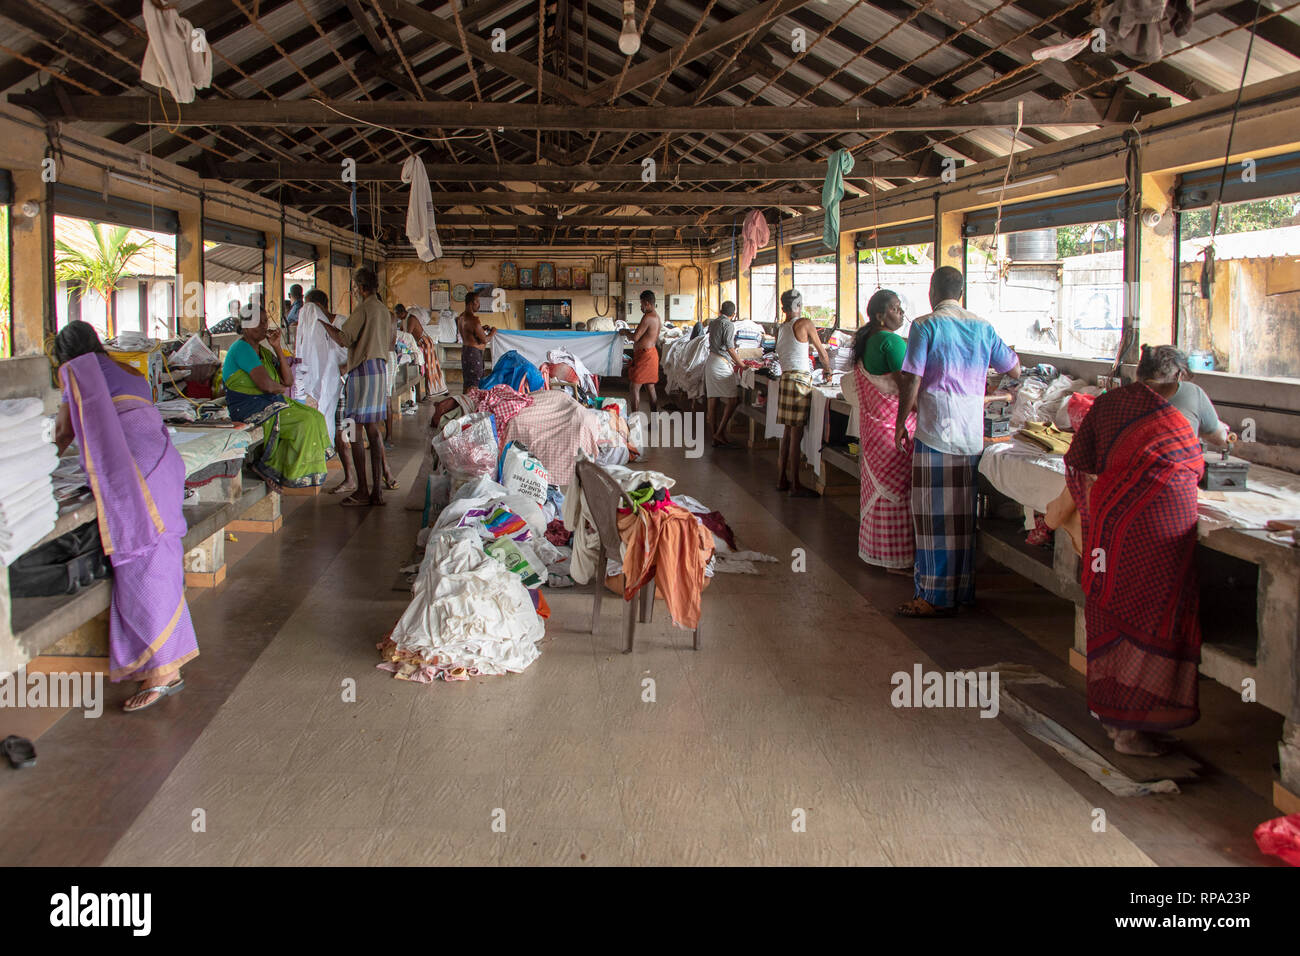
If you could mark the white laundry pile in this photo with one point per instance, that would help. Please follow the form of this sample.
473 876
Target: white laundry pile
470 615
448 331
28 509
421 229
178 57
565 356
684 361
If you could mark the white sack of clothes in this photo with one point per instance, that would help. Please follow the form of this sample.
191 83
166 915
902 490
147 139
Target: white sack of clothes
468 609
521 473
194 352
467 446
684 362
483 494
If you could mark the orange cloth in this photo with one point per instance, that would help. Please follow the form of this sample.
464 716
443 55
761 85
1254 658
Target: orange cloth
672 547
644 367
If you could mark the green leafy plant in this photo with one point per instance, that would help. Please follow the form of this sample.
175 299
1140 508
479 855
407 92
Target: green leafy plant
99 271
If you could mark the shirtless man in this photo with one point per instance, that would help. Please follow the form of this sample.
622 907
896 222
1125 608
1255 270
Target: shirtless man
794 402
474 339
644 368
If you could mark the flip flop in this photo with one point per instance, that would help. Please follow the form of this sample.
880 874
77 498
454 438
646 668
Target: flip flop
340 489
390 484
352 501
164 690
20 751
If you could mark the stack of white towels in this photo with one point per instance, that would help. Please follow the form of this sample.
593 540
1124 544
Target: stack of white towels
28 509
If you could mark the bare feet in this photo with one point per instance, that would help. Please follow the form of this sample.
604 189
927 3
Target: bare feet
1136 743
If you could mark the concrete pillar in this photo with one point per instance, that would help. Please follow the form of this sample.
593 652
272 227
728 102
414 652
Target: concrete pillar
847 300
1158 264
205 565
262 518
949 249
189 263
31 264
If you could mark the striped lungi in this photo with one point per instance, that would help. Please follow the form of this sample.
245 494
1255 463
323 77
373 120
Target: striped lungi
794 399
367 392
944 506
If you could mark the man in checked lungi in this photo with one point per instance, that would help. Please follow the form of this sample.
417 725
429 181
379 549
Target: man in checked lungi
366 335
794 395
945 372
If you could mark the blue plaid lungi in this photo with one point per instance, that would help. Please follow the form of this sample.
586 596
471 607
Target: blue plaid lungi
944 507
367 391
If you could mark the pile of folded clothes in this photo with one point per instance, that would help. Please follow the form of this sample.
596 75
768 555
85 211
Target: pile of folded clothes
28 509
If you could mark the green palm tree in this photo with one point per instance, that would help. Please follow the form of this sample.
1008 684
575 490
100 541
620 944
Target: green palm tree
102 270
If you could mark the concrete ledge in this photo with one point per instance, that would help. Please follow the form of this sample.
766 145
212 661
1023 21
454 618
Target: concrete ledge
205 579
1284 799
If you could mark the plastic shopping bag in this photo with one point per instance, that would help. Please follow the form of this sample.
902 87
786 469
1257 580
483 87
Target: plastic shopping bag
521 473
467 447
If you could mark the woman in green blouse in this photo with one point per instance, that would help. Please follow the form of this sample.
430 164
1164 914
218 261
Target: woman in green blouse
885 534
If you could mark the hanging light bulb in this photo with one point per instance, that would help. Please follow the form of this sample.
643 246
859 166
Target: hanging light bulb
629 41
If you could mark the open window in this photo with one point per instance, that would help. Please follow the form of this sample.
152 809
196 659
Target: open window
299 265
762 287
114 263
728 288
1052 279
1239 305
898 258
234 273
816 275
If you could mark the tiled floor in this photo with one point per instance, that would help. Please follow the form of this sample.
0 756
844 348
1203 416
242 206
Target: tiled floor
774 744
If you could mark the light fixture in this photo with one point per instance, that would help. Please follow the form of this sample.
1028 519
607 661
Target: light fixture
135 181
1016 185
31 209
629 41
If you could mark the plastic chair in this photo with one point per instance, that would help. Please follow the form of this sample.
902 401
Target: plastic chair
604 497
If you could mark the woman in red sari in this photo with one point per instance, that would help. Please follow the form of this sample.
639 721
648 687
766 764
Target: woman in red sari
886 537
1132 469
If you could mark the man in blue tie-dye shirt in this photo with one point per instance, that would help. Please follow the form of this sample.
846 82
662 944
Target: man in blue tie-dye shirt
949 354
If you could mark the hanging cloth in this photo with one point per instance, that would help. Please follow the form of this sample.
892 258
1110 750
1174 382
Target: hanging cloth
170 60
754 235
839 166
420 227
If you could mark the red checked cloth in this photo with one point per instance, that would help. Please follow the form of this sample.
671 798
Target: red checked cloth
553 428
502 401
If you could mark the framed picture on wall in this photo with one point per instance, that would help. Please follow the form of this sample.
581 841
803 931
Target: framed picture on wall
563 277
579 277
525 278
439 295
546 275
509 275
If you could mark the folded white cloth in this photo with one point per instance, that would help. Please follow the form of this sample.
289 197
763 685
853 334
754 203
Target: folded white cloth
21 434
16 410
42 510
18 470
15 504
27 532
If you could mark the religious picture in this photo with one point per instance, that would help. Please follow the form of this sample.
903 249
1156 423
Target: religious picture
563 277
546 275
525 278
509 275
579 278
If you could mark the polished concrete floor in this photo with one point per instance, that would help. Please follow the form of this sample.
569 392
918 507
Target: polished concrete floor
776 743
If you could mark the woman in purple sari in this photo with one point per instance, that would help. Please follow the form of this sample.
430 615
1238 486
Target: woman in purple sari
138 480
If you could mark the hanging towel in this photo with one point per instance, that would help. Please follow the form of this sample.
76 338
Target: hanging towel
170 61
421 230
839 166
754 236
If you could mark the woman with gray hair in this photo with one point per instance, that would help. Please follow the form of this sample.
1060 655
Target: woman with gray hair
1132 470
1165 370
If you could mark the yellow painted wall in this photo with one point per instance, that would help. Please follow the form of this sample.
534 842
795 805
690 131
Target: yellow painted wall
408 283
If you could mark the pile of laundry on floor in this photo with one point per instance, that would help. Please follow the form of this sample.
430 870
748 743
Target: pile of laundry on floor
504 518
